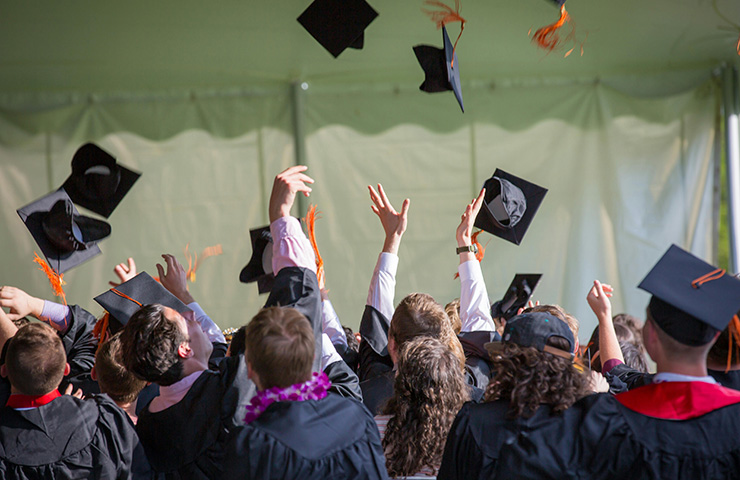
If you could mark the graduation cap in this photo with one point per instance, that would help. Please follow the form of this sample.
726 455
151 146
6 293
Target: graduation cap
98 182
259 268
516 296
65 237
692 300
534 329
509 206
338 24
127 298
441 68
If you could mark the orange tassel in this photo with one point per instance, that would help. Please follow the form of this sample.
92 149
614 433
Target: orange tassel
481 249
100 330
194 264
55 279
444 16
311 217
734 330
737 47
547 36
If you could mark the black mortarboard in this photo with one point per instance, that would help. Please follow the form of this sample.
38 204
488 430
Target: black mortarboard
65 237
534 329
127 298
692 300
509 206
259 268
338 24
441 68
516 296
559 3
98 182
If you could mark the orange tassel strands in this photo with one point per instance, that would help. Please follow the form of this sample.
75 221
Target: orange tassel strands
193 264
550 37
55 279
734 330
100 330
481 249
446 15
311 217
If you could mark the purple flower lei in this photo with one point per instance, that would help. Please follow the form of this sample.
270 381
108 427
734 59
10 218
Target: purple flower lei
313 389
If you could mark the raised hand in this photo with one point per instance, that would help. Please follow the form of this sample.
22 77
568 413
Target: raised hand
284 188
124 272
394 223
464 231
20 303
598 300
175 279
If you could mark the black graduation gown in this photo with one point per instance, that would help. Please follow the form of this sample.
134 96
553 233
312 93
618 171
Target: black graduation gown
634 378
69 438
314 439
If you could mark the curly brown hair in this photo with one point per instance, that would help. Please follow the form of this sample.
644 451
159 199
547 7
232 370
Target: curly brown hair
528 378
428 392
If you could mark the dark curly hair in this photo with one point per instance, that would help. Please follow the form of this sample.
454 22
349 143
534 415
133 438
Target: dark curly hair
528 378
428 392
149 344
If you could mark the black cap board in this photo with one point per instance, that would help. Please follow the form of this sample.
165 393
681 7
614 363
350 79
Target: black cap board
441 68
692 300
559 3
65 237
338 24
98 183
534 329
127 298
516 296
509 206
259 268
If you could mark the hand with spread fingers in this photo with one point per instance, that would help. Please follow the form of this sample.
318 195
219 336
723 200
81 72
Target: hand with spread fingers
284 189
394 223
124 272
19 303
175 279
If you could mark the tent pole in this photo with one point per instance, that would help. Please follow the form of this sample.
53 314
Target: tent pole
732 149
298 88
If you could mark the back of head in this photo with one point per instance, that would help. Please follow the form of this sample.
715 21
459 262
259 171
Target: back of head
280 347
633 356
417 315
35 359
149 346
429 390
452 310
113 378
527 378
625 336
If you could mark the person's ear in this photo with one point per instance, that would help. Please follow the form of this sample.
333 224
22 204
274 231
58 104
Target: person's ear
392 349
184 350
252 375
3 371
93 374
67 369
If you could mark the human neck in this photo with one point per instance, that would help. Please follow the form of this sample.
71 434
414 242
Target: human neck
191 366
682 368
130 409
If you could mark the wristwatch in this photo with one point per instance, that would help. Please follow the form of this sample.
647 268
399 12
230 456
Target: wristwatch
467 248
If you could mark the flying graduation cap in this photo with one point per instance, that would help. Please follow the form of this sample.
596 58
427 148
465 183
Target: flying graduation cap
97 182
65 237
691 299
516 296
259 268
338 24
509 206
440 65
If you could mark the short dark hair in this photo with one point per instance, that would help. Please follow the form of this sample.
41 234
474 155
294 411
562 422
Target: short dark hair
280 347
35 359
238 343
149 344
113 378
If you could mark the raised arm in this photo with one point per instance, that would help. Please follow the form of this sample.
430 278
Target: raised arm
475 308
383 282
7 328
21 304
598 300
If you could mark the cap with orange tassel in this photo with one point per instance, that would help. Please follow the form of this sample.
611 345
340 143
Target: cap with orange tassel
551 37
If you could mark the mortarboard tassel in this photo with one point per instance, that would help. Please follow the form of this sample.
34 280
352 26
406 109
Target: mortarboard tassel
548 38
734 331
444 16
100 330
55 279
311 217
193 265
481 250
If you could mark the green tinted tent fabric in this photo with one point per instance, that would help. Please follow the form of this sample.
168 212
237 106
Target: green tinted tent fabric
210 101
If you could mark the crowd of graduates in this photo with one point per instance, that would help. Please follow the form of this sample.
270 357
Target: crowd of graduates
153 389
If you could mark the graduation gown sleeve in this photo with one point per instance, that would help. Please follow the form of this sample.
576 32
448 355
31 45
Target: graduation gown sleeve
374 357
